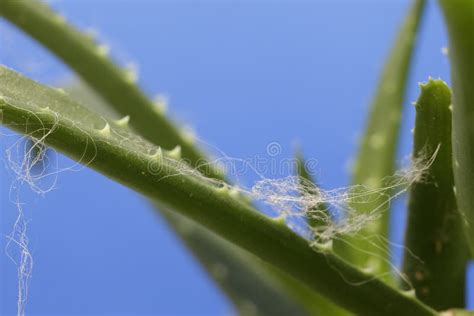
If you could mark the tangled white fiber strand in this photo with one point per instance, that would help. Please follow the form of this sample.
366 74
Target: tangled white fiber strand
28 161
291 198
295 198
35 168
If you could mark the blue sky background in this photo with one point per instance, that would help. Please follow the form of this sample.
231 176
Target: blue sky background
242 74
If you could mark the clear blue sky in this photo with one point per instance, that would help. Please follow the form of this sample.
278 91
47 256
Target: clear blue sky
242 74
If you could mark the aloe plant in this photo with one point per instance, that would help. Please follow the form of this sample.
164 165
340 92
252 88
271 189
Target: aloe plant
261 258
435 230
376 158
459 17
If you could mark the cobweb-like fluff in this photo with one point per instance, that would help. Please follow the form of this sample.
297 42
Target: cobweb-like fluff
291 197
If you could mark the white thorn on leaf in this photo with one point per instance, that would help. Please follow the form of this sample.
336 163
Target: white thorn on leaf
91 33
105 130
234 192
324 247
280 219
445 51
103 50
372 266
157 153
60 19
161 104
223 189
131 73
188 135
409 293
123 122
368 270
45 109
175 153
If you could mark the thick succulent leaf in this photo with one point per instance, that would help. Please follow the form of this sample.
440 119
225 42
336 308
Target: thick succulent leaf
90 61
377 152
113 84
250 284
251 290
229 268
254 286
111 149
434 238
319 216
459 16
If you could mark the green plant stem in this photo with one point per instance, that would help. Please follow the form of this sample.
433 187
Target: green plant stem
120 155
258 288
248 281
320 219
434 237
377 152
110 82
113 84
321 209
249 289
459 17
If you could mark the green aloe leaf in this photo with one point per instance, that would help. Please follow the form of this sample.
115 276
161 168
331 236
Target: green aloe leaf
318 217
109 148
434 238
377 152
250 289
254 286
113 84
251 284
459 16
110 82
